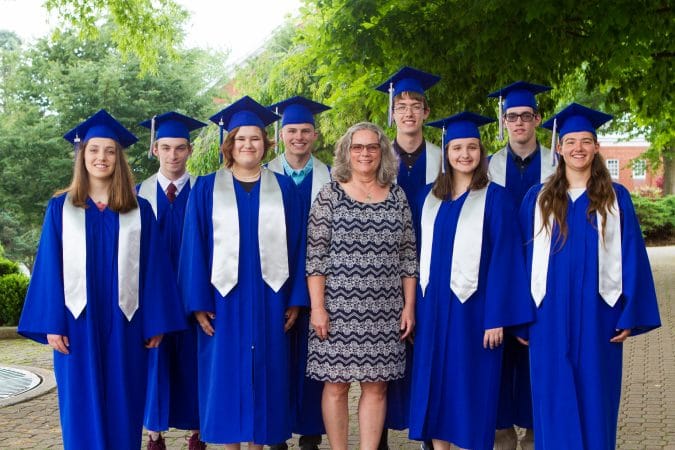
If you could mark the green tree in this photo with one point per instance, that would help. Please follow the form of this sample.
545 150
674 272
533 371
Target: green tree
145 29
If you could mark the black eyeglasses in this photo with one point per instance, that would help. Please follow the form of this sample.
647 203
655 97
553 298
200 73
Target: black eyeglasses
525 117
415 109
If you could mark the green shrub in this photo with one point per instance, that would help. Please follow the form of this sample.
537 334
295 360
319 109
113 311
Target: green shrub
656 216
7 267
13 289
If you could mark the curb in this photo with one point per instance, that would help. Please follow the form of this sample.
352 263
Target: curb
9 333
47 385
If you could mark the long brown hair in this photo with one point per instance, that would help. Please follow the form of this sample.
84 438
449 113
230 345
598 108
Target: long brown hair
443 184
121 193
553 197
228 146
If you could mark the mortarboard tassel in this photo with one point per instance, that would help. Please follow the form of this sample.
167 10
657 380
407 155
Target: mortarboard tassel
76 146
152 136
443 150
276 132
501 118
554 152
221 126
390 115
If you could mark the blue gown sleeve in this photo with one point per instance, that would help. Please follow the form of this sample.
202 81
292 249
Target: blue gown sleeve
44 310
194 265
296 238
640 306
162 309
507 300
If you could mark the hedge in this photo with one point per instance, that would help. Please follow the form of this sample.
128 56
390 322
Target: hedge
13 289
656 216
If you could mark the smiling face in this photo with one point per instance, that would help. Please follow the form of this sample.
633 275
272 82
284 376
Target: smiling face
464 155
522 132
410 114
100 155
249 148
365 153
299 138
172 154
578 150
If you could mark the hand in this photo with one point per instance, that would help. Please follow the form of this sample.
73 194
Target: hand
204 319
59 343
319 320
523 341
154 341
493 338
621 336
407 324
291 315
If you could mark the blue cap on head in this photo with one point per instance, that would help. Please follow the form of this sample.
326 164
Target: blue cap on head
462 125
173 125
409 79
520 93
297 109
244 112
101 125
576 117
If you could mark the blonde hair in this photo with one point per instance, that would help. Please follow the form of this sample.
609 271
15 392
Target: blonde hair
387 171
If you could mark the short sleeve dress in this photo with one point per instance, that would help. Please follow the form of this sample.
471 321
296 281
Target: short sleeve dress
363 250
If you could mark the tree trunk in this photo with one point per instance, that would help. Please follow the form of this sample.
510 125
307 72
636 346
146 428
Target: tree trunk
668 172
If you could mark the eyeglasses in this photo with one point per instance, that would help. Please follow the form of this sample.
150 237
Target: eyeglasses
369 148
525 117
415 109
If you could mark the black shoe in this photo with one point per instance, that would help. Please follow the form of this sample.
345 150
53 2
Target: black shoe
282 446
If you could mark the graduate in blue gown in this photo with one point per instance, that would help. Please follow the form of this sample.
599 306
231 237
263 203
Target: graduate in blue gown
172 399
472 286
242 275
593 287
419 165
99 294
522 163
309 174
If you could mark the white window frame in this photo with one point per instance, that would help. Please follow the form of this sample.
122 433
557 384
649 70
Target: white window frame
615 170
639 169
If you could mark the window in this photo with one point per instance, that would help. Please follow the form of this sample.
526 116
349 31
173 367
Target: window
613 167
639 169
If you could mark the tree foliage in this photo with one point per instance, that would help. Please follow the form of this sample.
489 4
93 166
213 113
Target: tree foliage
145 29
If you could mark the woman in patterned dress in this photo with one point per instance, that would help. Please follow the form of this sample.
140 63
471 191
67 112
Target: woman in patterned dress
362 272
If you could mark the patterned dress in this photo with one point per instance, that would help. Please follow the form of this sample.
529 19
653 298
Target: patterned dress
363 250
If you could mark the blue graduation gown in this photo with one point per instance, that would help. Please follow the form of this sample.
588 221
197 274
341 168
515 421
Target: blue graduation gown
414 180
307 396
244 368
515 396
575 370
172 399
455 381
101 383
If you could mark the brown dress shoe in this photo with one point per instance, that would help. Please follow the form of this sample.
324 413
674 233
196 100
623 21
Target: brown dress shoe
159 444
195 444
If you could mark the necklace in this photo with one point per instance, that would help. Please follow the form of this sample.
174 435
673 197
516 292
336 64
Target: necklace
368 198
246 178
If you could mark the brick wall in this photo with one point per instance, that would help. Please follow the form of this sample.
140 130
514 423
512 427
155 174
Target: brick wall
621 153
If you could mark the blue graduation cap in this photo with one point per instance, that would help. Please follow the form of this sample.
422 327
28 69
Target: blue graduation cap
100 125
462 125
170 125
573 118
516 94
298 109
408 79
243 112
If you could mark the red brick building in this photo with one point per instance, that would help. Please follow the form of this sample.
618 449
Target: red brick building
620 153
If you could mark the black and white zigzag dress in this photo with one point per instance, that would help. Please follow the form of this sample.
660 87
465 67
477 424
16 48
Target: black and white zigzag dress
363 250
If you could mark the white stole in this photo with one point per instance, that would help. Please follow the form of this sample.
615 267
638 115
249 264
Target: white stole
320 173
610 269
148 190
433 162
74 253
271 233
466 247
497 166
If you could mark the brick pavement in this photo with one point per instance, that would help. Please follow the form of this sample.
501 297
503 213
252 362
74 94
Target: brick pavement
646 418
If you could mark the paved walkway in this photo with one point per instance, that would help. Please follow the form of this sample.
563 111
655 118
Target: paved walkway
646 419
